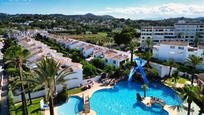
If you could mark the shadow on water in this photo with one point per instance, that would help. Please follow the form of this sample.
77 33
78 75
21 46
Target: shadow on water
140 105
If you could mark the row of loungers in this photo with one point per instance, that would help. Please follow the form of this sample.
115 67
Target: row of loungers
87 86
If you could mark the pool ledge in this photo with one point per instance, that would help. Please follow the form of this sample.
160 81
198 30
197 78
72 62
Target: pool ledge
89 92
169 109
90 113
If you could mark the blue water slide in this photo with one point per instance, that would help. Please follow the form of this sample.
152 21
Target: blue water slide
143 74
140 63
132 71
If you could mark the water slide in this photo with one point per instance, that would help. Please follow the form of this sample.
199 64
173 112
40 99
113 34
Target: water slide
140 63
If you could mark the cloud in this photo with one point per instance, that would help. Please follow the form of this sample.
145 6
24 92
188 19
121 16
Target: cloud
169 10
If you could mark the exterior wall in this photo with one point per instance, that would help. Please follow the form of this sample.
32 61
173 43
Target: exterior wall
181 31
115 63
88 52
72 46
161 69
157 33
36 94
97 54
75 79
165 52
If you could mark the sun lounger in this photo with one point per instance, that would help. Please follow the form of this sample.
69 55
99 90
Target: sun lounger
43 106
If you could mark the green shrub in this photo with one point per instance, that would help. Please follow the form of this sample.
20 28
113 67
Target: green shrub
61 97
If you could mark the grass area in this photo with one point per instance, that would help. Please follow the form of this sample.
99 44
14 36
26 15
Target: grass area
74 91
181 80
33 109
100 38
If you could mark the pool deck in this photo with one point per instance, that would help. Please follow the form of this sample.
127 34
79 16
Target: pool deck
169 109
47 112
89 92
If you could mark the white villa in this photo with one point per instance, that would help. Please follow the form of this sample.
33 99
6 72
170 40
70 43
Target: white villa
179 51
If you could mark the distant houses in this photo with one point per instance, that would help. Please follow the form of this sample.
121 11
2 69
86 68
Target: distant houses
91 51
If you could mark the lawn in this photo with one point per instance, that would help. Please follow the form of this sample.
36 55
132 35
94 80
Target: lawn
181 80
100 38
74 91
33 109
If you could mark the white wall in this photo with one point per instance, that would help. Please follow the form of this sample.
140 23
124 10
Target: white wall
75 79
92 79
165 53
36 94
161 69
88 52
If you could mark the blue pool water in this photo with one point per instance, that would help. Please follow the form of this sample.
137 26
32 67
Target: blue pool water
72 107
121 99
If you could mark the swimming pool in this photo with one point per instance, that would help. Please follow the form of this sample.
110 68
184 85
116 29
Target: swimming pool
121 99
72 107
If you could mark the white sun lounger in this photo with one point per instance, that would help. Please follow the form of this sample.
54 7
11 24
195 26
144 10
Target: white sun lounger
43 106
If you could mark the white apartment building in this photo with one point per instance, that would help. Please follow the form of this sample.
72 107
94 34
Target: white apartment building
157 33
178 51
181 31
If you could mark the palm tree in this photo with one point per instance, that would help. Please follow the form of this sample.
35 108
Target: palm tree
148 56
200 102
17 55
197 40
148 43
144 86
48 74
170 63
194 61
175 75
131 47
188 93
29 86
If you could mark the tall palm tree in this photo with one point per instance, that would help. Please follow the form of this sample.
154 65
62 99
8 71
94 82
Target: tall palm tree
188 93
170 63
148 56
199 100
48 74
131 47
144 87
17 55
29 85
149 43
193 61
197 40
175 75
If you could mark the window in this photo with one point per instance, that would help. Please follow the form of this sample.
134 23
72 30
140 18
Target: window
114 62
172 47
181 48
106 60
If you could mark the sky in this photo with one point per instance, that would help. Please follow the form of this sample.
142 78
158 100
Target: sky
133 9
